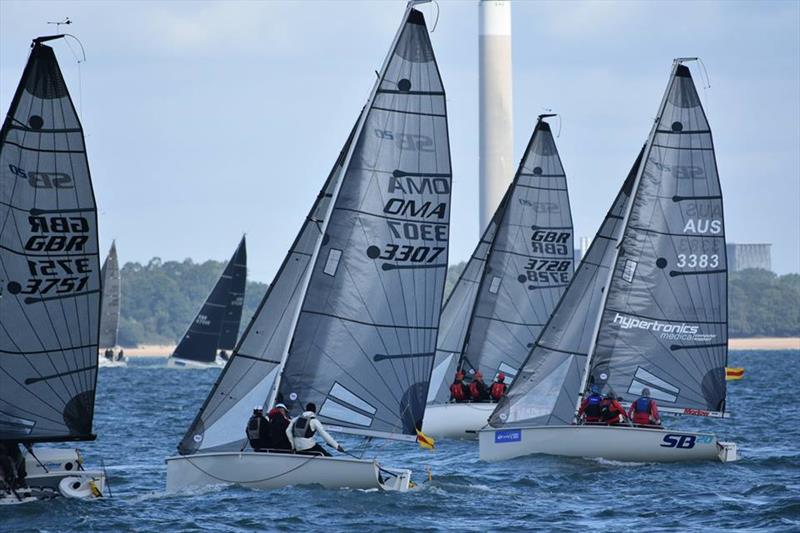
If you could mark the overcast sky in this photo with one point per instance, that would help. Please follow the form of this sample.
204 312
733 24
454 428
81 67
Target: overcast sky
205 120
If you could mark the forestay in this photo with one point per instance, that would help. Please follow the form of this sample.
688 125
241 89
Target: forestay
50 275
200 341
664 325
549 381
232 319
250 373
110 301
496 312
365 339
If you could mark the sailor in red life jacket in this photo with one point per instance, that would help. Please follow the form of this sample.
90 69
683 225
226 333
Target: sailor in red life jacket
644 412
612 412
499 388
459 392
477 389
591 409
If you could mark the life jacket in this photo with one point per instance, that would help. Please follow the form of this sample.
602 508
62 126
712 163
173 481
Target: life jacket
594 409
609 410
477 390
302 428
457 391
254 427
498 390
641 410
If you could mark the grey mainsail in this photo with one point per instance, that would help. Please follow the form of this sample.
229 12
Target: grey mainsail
232 319
50 275
664 324
528 254
200 341
549 381
365 338
110 301
250 373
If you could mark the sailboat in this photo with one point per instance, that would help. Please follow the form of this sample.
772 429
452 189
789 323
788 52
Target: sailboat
351 318
49 284
216 325
646 309
504 296
109 311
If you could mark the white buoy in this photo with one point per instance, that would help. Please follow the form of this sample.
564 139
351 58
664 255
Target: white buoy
496 126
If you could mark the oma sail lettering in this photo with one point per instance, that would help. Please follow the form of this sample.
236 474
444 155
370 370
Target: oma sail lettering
668 331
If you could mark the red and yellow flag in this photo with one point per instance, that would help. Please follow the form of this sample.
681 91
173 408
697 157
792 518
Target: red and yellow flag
425 441
733 373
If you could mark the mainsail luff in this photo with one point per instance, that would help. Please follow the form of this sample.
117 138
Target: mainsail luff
50 264
664 322
232 318
354 394
551 376
110 300
248 377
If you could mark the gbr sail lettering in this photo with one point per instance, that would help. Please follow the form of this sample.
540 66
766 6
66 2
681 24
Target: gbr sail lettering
549 270
416 198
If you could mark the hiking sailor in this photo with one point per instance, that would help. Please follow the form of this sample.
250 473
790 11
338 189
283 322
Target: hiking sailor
459 392
303 430
278 423
612 412
591 409
258 430
499 387
478 391
644 412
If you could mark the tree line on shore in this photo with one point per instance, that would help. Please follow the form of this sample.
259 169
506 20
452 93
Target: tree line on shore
160 299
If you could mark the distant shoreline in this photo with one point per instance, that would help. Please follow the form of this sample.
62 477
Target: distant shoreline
753 343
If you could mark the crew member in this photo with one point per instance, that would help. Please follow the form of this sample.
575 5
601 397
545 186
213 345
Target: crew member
499 387
302 432
109 354
258 430
121 355
223 355
643 411
591 409
278 422
12 466
478 391
612 412
459 392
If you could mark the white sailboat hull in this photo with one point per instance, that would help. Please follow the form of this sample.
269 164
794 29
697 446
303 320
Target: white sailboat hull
103 362
275 470
188 364
456 420
58 473
618 443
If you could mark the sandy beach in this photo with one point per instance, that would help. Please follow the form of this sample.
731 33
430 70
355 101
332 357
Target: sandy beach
756 343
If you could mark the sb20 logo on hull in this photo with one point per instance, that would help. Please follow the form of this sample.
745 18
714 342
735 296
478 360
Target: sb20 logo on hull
684 442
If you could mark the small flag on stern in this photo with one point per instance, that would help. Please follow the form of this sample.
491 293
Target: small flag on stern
733 373
425 441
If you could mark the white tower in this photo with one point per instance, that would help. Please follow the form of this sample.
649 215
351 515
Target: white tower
496 131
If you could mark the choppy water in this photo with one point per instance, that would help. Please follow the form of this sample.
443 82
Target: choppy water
143 410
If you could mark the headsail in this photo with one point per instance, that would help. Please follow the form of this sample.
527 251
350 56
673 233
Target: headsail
232 319
528 255
50 275
364 342
200 341
664 325
549 381
110 301
250 373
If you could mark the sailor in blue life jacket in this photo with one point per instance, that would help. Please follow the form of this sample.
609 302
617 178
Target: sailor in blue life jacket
302 433
591 409
644 412
258 430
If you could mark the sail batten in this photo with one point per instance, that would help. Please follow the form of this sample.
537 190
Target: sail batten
49 267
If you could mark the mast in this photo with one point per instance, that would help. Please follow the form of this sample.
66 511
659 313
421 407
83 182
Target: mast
628 210
312 262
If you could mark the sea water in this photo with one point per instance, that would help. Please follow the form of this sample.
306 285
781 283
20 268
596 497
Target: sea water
143 410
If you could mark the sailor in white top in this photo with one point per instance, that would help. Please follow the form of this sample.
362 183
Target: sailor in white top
303 430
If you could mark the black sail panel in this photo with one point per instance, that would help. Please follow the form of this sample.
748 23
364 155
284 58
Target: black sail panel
250 374
530 263
232 319
365 340
200 341
664 325
549 381
49 266
110 301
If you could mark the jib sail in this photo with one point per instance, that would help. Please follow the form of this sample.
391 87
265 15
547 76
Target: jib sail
232 319
50 275
110 302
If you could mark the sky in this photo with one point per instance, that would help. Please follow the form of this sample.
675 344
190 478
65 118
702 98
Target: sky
206 120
